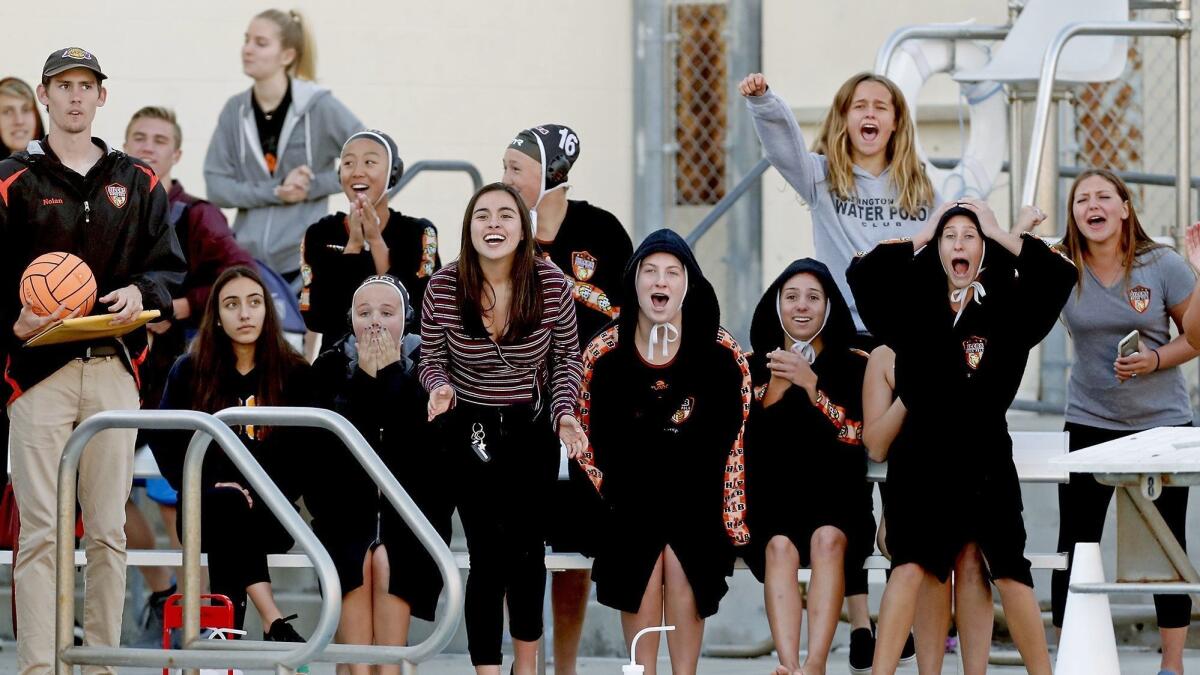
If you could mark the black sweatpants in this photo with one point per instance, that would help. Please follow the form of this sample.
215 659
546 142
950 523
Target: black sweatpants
237 539
502 503
1082 506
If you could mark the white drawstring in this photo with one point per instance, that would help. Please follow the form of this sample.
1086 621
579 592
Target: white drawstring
669 334
960 295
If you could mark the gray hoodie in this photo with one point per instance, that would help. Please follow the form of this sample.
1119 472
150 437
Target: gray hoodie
841 228
236 174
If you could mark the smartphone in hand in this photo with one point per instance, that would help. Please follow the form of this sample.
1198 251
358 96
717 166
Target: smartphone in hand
1128 346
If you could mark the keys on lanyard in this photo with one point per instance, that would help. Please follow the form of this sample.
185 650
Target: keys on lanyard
477 443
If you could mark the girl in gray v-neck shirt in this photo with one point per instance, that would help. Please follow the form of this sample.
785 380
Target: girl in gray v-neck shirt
1098 317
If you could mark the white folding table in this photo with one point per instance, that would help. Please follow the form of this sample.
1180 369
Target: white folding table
1149 557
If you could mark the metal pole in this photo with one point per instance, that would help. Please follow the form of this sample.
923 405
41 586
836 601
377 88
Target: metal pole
1016 110
1183 169
649 119
883 58
1166 539
743 256
439 165
1041 119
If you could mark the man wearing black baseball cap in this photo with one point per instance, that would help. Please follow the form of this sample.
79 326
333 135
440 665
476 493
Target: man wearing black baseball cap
71 192
62 60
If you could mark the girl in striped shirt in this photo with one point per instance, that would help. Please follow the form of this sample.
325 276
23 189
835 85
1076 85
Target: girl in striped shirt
500 358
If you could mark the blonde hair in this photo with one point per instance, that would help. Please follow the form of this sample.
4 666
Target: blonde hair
155 112
294 34
17 88
912 186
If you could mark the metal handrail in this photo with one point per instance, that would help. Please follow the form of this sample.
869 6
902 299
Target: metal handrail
438 165
883 58
207 427
447 622
720 208
1041 118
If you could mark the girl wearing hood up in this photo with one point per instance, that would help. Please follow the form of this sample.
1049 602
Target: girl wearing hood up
962 315
387 576
272 156
665 395
807 388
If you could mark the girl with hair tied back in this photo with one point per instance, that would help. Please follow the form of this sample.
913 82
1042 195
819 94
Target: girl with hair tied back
273 155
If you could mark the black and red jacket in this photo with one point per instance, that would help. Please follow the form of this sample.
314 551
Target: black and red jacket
114 218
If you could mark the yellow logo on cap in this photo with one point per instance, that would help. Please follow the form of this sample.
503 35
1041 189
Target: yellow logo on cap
77 53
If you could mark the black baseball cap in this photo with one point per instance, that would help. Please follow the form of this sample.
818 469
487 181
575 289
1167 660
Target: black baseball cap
64 59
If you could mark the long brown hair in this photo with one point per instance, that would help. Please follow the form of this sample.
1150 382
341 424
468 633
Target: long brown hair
913 189
526 311
294 34
1134 240
212 351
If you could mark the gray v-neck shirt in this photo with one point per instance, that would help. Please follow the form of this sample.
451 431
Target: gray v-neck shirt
1098 317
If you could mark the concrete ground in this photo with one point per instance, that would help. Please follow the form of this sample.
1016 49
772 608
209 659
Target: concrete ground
1133 661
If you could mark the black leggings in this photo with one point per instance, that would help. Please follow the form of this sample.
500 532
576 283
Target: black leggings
237 539
502 503
1082 506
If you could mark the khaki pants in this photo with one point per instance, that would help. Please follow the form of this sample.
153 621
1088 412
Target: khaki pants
42 420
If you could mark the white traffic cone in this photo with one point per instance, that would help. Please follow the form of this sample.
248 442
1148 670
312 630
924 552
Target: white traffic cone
1088 645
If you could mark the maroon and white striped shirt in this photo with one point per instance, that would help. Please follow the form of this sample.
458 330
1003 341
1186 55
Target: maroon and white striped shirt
486 373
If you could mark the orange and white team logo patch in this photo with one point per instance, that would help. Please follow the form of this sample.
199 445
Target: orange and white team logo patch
684 412
1139 298
659 386
583 264
117 194
973 350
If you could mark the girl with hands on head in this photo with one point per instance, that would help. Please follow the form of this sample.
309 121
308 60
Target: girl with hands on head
1125 282
982 299
500 358
387 576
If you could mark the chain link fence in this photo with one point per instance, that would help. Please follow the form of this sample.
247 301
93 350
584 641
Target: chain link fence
699 100
1129 124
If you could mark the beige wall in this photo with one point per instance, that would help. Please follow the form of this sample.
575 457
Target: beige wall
449 80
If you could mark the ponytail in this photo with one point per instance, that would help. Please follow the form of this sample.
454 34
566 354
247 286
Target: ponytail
294 34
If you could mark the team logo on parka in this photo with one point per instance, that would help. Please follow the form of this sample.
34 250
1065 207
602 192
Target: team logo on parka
1139 298
973 350
684 412
583 264
117 194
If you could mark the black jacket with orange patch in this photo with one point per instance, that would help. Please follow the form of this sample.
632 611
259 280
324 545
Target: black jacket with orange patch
114 219
592 249
957 380
331 277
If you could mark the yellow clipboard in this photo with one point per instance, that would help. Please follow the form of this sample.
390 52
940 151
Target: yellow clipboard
88 328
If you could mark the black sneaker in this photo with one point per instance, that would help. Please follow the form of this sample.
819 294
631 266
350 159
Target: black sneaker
152 620
862 651
908 655
282 631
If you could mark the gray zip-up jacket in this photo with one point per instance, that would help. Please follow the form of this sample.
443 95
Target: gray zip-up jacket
841 228
316 126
